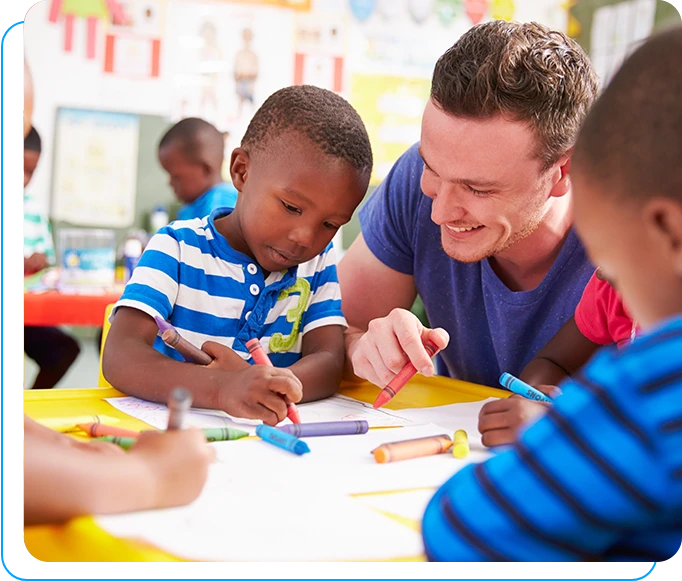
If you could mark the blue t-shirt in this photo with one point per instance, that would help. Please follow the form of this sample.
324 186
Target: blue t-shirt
599 477
222 195
492 329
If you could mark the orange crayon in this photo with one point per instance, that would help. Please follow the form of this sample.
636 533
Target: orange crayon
261 358
401 378
97 430
406 449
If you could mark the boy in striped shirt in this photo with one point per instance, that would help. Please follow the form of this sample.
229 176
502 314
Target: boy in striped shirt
599 476
265 269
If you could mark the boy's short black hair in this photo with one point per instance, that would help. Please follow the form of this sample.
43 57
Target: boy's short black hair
32 141
196 138
327 119
631 141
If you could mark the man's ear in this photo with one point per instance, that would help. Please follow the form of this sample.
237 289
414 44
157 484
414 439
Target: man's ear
562 168
239 167
663 221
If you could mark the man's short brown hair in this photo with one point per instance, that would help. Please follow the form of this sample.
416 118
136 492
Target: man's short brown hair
525 72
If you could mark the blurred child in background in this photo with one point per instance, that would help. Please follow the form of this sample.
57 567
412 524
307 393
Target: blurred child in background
53 350
192 152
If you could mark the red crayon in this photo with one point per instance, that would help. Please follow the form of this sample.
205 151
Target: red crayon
401 378
261 358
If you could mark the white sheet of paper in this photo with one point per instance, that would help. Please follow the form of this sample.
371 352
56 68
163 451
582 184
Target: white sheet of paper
456 416
332 409
278 519
345 462
156 414
339 407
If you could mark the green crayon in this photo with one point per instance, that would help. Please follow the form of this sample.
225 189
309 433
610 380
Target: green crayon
222 434
125 443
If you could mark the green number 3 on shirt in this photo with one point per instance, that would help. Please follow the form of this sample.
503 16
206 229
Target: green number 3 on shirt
280 343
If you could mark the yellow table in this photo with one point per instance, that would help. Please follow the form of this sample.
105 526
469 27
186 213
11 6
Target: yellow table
82 540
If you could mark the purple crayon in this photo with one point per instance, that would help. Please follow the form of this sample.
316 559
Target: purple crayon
173 339
326 429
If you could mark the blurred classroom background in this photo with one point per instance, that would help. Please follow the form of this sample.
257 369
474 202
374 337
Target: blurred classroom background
112 76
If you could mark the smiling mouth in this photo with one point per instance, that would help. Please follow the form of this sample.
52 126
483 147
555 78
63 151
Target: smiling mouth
463 229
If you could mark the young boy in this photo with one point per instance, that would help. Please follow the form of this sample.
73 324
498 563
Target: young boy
599 476
265 269
192 153
600 319
52 349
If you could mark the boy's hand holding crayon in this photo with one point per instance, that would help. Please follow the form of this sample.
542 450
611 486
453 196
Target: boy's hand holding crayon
500 420
259 392
254 392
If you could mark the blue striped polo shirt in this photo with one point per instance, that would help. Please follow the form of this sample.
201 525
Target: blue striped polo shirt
598 477
191 277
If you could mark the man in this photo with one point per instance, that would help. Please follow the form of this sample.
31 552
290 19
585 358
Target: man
476 218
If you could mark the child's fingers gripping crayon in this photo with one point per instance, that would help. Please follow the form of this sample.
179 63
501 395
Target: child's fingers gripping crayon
282 440
460 447
261 358
172 338
179 402
405 449
96 430
522 388
401 378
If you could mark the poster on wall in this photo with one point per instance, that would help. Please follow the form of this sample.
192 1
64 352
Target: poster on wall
226 59
320 49
95 167
133 45
391 107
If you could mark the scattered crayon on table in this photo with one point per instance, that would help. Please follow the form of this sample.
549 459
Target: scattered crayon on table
460 447
70 423
282 439
341 428
125 443
223 434
406 449
96 430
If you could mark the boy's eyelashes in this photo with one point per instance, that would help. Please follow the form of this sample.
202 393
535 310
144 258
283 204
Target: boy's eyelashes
290 208
294 210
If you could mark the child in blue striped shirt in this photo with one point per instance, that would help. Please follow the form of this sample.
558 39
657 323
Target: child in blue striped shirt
265 269
599 476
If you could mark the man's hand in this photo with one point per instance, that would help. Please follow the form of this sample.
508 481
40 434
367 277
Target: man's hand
389 343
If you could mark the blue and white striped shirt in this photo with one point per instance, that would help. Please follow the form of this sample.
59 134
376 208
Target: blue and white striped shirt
190 276
599 477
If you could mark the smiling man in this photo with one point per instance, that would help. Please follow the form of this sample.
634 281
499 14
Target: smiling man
476 218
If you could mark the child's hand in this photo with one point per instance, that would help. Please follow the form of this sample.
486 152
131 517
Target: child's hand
258 393
500 420
35 263
223 357
176 462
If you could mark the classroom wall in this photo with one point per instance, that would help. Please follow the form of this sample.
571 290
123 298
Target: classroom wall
70 79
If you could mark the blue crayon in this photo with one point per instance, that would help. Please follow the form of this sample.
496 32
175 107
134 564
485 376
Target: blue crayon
282 439
522 388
